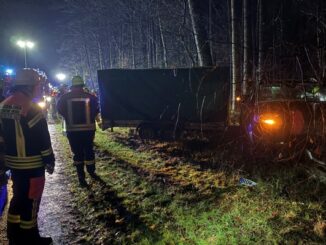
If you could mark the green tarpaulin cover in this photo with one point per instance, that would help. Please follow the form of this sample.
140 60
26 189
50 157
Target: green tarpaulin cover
191 94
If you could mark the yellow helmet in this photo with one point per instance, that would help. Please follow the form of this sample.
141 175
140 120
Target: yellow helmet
27 77
77 81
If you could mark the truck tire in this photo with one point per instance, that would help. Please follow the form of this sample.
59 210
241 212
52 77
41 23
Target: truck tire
146 132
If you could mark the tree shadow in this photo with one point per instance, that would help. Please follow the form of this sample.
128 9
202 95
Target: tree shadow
117 218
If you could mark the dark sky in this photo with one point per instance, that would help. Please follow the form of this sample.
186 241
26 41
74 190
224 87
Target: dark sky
31 19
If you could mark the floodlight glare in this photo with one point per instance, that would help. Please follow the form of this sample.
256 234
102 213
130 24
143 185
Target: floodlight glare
21 44
61 76
25 44
29 44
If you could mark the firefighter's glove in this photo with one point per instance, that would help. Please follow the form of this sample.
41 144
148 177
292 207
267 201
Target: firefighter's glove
49 168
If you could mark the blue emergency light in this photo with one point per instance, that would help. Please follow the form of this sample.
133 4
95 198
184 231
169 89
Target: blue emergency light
9 72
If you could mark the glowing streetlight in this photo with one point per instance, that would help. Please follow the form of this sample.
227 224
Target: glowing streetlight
61 77
25 45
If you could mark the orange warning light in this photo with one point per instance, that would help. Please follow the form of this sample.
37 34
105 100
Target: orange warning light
270 121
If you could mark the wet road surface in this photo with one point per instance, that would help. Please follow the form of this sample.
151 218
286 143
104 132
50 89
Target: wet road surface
56 216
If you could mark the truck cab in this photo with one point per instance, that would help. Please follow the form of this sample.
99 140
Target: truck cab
286 118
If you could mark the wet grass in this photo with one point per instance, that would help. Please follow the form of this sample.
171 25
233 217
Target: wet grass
152 194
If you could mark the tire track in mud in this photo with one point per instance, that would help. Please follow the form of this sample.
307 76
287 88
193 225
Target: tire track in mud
163 181
166 176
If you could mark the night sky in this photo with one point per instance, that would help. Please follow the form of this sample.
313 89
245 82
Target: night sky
34 20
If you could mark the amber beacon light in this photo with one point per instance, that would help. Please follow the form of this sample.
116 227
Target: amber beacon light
270 121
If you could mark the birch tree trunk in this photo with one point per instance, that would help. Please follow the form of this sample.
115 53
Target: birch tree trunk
132 47
210 29
165 61
201 37
245 49
88 62
100 56
260 47
235 63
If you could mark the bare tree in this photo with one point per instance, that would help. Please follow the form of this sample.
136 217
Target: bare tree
196 9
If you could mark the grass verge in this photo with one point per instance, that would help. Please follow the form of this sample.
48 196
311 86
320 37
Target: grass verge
151 198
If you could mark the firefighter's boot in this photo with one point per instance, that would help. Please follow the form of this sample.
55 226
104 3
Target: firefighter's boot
13 233
81 175
43 241
91 170
32 236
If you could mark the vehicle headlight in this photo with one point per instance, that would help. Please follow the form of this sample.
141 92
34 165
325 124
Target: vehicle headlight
48 98
41 104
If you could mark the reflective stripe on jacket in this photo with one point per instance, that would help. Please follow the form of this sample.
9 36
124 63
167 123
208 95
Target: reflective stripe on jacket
26 137
79 110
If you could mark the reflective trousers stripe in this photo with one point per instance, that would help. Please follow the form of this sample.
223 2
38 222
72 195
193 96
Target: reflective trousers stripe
90 162
23 159
28 224
86 127
78 163
24 165
13 218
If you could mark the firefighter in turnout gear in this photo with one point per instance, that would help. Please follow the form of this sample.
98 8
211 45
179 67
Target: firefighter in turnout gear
28 153
3 175
80 110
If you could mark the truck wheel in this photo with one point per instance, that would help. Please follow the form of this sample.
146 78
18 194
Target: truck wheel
169 135
146 133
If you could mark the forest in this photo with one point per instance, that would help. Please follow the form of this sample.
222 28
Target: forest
263 40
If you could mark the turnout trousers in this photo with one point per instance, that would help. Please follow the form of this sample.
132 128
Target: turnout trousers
81 143
27 187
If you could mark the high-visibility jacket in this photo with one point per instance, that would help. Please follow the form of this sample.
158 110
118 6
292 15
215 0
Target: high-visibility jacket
3 176
79 110
26 137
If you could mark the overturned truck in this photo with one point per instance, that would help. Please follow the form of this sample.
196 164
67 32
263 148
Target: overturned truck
282 119
162 103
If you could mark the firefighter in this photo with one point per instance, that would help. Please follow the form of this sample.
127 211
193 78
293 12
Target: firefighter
80 110
3 176
2 97
28 153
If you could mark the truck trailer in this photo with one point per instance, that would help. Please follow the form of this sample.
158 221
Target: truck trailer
161 102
